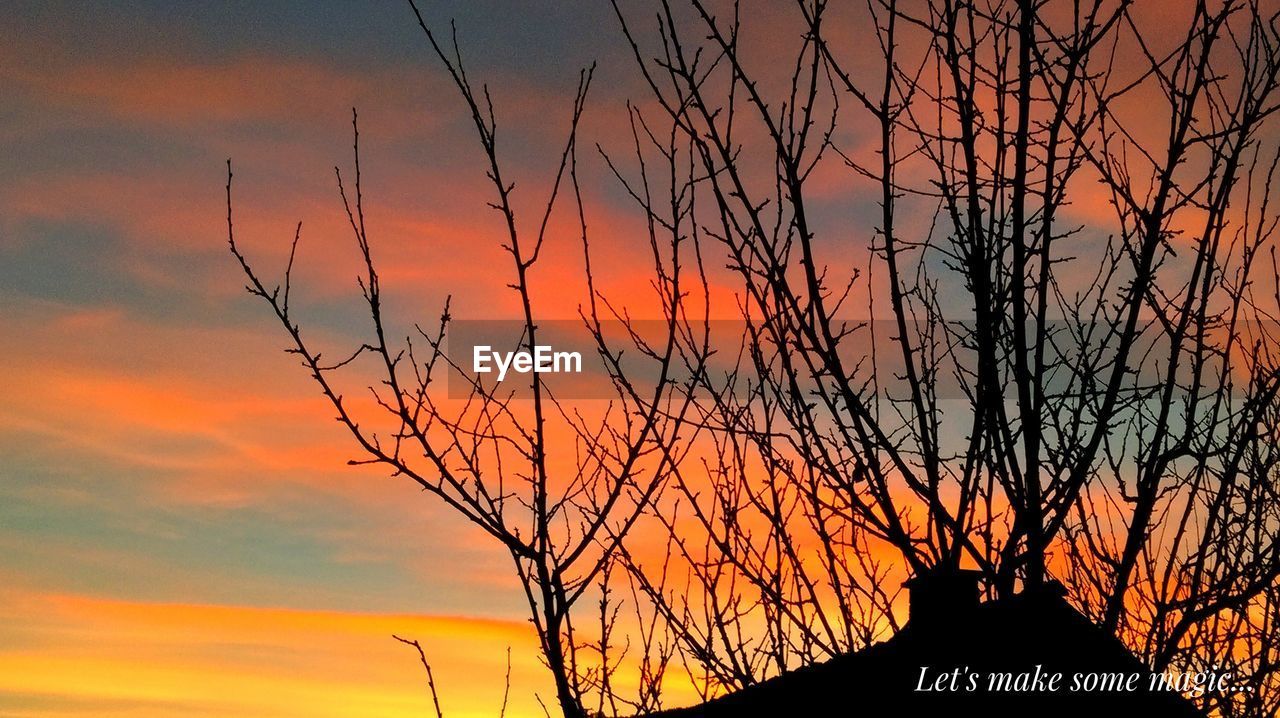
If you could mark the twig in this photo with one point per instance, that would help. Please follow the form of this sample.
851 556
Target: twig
431 682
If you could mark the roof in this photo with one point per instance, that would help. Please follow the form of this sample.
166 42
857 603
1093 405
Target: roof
1008 636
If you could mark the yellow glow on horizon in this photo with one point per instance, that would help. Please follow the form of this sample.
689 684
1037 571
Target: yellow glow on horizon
85 656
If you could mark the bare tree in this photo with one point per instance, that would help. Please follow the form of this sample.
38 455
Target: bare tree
1066 368
1084 389
488 455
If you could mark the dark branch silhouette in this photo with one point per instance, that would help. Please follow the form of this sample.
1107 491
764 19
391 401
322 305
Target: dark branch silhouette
1066 370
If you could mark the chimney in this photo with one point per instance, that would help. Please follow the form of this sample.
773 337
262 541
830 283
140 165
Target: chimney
938 594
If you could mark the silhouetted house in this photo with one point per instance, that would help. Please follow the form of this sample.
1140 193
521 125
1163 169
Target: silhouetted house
1014 645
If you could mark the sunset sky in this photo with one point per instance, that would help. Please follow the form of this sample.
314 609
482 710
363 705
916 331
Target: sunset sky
179 534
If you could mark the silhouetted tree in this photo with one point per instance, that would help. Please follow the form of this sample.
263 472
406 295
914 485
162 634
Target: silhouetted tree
1075 374
489 455
1060 219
